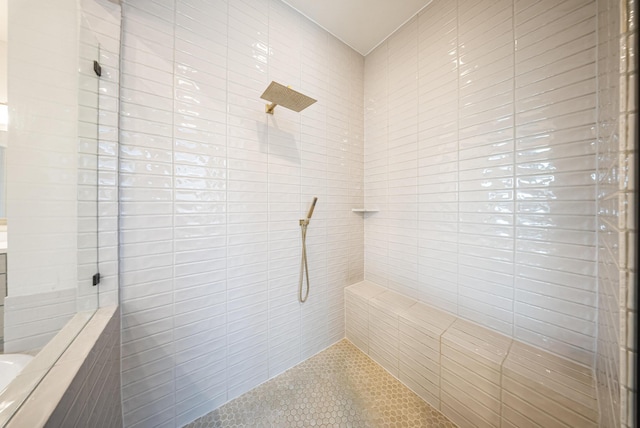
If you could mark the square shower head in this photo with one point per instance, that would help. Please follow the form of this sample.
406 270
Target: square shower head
281 95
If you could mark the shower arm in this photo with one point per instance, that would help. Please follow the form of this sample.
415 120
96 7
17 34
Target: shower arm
269 108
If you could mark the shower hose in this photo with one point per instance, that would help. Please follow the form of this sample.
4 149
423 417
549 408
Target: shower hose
303 262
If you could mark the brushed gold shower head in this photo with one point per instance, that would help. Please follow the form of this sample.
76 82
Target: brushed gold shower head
282 95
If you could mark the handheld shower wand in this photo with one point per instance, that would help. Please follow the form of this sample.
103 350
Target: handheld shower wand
303 263
312 207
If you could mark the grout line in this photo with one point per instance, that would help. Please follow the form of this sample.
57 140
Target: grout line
118 232
514 174
457 284
268 207
226 214
173 202
417 178
300 206
598 291
386 107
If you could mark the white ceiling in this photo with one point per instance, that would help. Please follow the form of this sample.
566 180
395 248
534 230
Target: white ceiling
362 24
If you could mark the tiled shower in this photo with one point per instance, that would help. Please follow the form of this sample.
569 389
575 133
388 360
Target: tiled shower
211 190
495 139
483 171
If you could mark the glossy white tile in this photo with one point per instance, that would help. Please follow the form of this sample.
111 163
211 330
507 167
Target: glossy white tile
231 231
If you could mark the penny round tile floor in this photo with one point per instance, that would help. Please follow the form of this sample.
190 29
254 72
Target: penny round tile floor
339 387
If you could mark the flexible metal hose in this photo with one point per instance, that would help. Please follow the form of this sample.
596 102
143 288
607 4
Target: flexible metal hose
303 262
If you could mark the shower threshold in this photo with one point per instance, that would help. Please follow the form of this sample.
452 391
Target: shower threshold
339 387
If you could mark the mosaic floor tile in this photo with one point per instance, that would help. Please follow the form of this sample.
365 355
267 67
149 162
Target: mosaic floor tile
339 387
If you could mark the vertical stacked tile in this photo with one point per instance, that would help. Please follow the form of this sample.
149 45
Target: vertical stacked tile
607 361
87 298
486 157
420 329
376 151
628 186
472 358
104 18
384 329
314 51
283 138
357 312
146 214
337 137
247 198
544 390
212 189
616 209
438 155
555 101
402 159
355 159
200 193
610 280
42 176
342 145
516 166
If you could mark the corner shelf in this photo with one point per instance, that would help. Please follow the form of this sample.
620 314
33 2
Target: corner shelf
365 210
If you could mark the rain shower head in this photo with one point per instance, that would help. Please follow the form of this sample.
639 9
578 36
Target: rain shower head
281 95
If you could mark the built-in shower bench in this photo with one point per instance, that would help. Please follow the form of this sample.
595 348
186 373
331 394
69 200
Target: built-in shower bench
475 376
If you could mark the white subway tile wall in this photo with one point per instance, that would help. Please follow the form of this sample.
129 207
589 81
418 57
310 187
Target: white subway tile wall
31 321
88 91
211 190
376 169
485 189
52 206
438 157
555 96
466 220
616 210
495 222
103 19
42 210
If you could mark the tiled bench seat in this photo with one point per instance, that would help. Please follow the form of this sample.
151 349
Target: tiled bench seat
475 376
